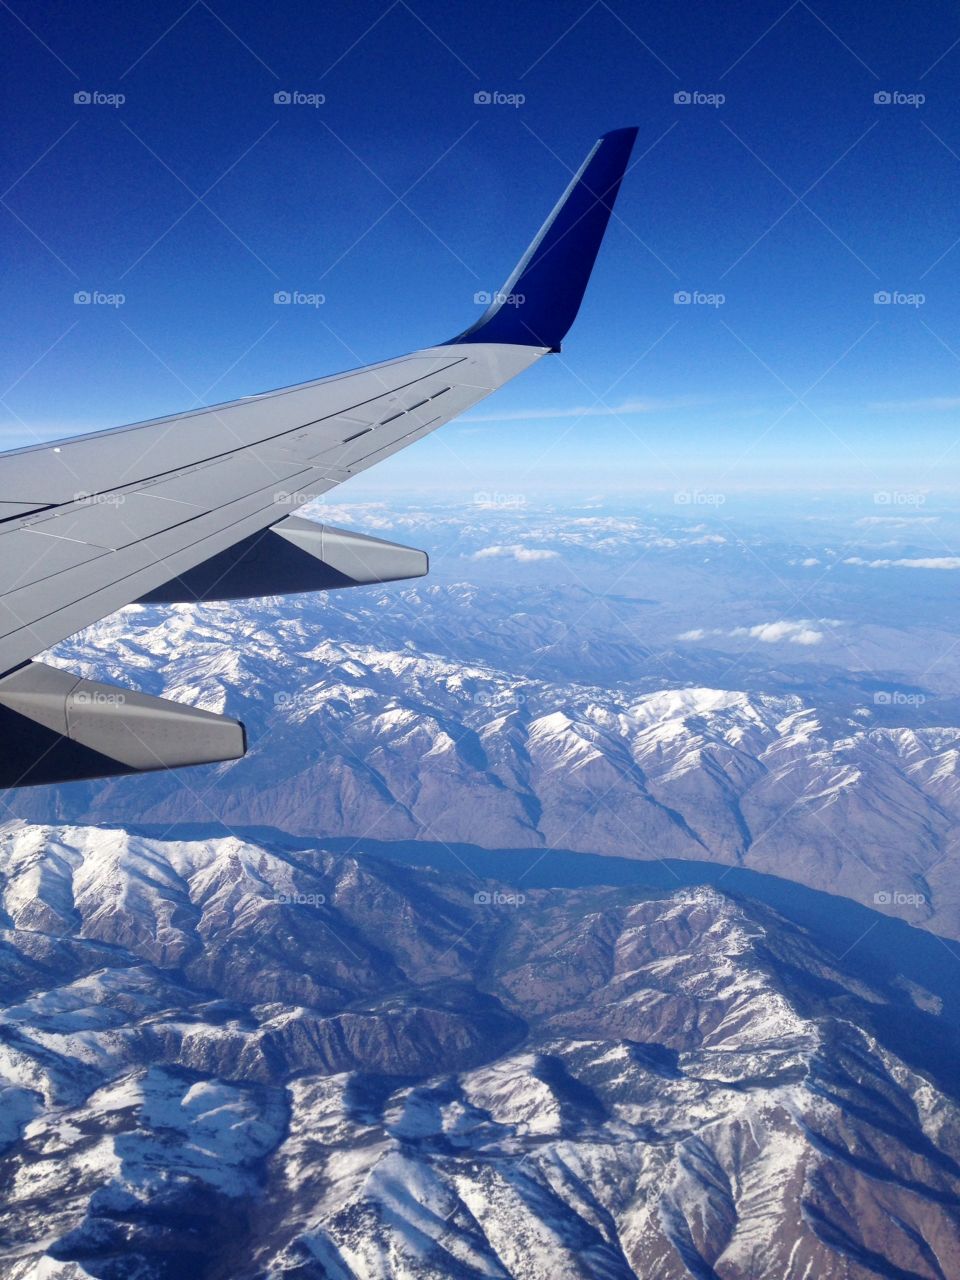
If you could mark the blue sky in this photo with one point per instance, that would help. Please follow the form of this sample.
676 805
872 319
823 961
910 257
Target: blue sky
798 198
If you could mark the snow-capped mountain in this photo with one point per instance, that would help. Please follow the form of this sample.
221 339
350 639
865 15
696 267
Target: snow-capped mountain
355 739
246 1048
223 1059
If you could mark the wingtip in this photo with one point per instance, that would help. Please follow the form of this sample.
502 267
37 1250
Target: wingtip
628 131
540 300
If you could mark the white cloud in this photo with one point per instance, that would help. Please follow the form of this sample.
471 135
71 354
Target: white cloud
587 411
918 406
774 632
919 562
516 552
610 524
809 562
898 522
782 631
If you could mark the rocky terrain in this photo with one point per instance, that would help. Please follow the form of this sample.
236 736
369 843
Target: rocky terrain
356 740
236 1044
221 1059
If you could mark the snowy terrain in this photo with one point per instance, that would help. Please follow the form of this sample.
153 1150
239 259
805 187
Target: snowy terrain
351 739
236 1045
220 1059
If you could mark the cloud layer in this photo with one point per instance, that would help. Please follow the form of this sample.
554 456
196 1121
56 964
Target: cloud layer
919 562
516 551
803 632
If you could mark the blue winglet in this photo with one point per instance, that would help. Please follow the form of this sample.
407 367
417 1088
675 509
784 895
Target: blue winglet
540 301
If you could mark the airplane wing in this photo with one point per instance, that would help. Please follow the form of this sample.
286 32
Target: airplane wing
198 506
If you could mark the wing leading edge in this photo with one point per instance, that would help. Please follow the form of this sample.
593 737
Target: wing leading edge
198 506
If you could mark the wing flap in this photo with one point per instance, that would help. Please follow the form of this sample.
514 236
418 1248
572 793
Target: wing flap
118 520
28 556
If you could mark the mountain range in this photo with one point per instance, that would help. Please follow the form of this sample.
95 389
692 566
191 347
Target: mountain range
223 1059
357 741
584 911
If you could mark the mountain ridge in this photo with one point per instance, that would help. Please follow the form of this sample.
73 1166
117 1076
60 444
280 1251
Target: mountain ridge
353 1068
357 740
